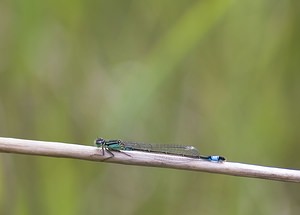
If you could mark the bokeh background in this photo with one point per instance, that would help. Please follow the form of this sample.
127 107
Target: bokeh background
221 75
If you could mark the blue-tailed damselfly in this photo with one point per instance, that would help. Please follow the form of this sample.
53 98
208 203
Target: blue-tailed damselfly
171 149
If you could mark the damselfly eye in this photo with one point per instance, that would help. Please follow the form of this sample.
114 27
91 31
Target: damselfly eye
99 141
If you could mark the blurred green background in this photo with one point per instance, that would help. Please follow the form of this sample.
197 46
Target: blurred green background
221 75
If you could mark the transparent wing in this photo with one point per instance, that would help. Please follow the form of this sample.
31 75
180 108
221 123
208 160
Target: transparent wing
188 151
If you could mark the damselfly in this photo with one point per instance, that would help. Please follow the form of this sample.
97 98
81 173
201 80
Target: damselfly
171 149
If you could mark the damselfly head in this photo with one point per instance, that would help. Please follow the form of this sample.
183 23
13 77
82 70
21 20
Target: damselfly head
99 142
